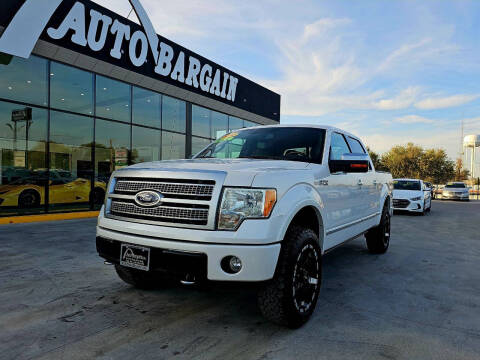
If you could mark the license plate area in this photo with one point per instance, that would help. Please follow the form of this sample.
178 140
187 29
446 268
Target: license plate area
134 256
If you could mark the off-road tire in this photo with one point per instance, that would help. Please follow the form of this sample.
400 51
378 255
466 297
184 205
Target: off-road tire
278 300
137 278
378 238
28 199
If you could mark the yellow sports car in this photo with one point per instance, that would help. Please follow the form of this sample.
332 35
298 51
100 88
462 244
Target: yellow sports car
64 188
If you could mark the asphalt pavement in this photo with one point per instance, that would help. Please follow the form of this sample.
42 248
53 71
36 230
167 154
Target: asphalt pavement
421 300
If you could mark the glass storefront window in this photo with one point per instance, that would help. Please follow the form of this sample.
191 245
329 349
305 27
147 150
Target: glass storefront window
113 99
198 144
146 107
173 146
145 145
112 145
174 114
71 169
219 125
71 89
200 121
250 124
25 80
235 123
22 159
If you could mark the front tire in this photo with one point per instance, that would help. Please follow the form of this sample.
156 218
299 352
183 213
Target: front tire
28 199
290 298
378 238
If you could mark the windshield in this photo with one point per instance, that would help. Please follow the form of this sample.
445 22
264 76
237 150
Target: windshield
456 186
406 185
281 143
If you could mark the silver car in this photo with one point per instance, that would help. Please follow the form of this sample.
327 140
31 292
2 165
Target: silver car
456 191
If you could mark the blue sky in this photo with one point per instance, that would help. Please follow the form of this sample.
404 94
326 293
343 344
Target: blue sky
388 71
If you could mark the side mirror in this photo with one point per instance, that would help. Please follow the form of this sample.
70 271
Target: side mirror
350 163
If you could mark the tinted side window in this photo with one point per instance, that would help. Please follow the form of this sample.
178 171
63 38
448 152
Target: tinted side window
355 145
338 147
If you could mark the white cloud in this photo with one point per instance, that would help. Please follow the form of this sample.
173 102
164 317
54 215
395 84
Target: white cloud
322 25
413 119
403 100
445 102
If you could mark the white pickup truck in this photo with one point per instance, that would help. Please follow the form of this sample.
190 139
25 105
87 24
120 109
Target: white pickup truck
258 205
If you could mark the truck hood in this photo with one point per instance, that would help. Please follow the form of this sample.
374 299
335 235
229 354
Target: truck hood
239 172
407 194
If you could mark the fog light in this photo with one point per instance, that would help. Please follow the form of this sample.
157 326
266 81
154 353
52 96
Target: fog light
235 264
231 264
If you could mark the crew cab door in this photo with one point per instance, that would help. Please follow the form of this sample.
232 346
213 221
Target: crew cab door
343 200
370 188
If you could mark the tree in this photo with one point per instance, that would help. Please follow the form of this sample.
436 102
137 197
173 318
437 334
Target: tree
403 161
412 161
460 173
436 167
377 163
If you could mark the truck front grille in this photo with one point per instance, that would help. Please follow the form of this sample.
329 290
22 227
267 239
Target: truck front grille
175 213
185 202
169 188
400 203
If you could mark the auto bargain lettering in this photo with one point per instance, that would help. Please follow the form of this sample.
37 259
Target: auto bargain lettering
167 62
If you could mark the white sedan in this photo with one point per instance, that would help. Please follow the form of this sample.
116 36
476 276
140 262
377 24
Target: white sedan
456 191
411 195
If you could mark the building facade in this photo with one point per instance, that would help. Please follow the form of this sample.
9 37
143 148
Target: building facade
99 93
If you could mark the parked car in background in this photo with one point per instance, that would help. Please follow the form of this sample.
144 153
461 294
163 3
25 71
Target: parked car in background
411 195
456 191
431 188
65 188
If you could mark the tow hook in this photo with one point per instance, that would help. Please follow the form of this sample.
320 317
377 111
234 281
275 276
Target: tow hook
189 279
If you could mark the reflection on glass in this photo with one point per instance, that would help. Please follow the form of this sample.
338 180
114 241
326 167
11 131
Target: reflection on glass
235 123
198 144
71 169
22 155
173 114
71 89
25 80
146 145
113 99
173 146
250 124
200 121
112 144
146 107
219 125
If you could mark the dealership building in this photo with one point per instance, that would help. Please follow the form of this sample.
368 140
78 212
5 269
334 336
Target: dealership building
98 92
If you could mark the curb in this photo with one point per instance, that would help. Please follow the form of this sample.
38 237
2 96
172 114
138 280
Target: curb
47 217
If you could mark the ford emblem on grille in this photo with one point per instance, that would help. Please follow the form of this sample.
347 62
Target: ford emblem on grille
148 198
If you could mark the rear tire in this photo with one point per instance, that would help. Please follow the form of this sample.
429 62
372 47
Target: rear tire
378 238
290 298
137 278
28 199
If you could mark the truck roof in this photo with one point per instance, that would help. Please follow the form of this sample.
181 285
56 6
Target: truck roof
313 126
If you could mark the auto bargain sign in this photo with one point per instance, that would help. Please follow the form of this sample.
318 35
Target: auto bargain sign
85 27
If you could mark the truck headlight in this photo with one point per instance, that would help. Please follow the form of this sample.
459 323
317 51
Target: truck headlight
416 198
239 204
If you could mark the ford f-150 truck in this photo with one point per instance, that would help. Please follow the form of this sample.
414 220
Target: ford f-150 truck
258 205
